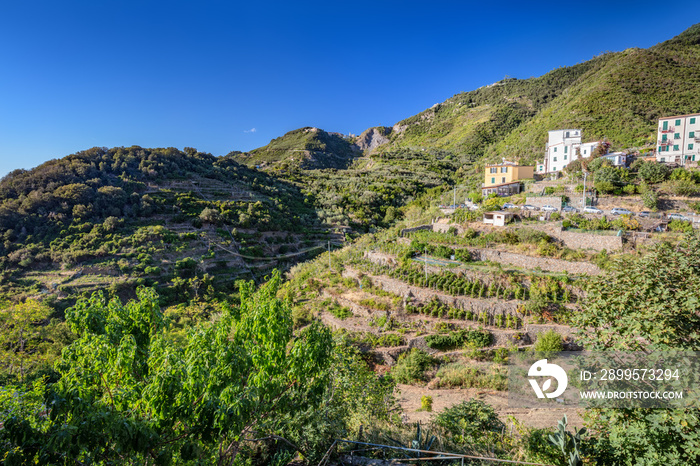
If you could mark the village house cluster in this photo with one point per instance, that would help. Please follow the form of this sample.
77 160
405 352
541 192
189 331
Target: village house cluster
678 143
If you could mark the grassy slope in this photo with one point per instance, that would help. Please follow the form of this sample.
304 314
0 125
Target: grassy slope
470 122
619 96
621 101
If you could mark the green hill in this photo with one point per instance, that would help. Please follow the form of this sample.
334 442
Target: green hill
305 148
618 96
187 222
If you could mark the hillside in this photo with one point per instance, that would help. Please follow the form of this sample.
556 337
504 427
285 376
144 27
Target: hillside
618 96
186 222
304 148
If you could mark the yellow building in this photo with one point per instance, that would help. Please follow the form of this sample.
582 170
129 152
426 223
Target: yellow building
504 178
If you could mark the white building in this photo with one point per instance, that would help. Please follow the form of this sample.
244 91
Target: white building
678 139
617 159
563 146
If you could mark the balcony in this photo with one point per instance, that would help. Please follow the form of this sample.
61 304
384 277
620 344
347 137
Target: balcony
671 129
667 142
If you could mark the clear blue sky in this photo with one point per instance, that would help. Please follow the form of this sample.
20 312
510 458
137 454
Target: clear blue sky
224 75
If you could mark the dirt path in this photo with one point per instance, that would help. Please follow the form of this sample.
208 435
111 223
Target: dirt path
409 398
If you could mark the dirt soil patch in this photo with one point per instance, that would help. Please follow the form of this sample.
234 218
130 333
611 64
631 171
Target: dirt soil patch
409 398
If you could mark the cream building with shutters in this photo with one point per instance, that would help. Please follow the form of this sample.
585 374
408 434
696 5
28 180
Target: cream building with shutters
678 139
564 146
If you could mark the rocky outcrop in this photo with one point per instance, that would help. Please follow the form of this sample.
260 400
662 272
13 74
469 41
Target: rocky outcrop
372 138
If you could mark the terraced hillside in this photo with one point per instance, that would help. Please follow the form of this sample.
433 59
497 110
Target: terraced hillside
440 319
186 222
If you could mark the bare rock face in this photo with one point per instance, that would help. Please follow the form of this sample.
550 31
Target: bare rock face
372 138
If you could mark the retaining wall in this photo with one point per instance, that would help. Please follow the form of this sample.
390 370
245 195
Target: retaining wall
418 228
541 201
529 262
575 240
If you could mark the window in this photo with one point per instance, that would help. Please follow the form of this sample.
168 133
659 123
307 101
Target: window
676 136
691 134
555 159
566 149
665 126
584 152
663 137
690 147
493 180
493 170
564 156
675 147
678 122
692 121
504 169
503 179
663 159
555 149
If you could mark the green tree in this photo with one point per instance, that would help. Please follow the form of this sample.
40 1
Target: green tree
21 337
129 393
652 172
644 304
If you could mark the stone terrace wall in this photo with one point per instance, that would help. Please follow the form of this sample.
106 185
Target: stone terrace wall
540 201
529 262
418 228
491 306
575 240
590 241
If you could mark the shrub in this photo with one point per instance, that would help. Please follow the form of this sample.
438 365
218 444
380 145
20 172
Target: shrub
629 189
549 341
411 366
604 187
470 422
680 225
652 172
650 199
461 375
426 403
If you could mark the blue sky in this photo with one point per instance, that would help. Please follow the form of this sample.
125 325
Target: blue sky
224 75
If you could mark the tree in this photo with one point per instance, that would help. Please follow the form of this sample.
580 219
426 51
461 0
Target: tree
652 172
129 393
644 304
21 337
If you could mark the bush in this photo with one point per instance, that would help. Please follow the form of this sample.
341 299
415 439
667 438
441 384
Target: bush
426 403
629 189
411 366
470 422
650 199
604 187
472 338
681 187
461 375
680 225
652 172
550 341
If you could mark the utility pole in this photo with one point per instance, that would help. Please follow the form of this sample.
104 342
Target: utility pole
583 203
425 262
